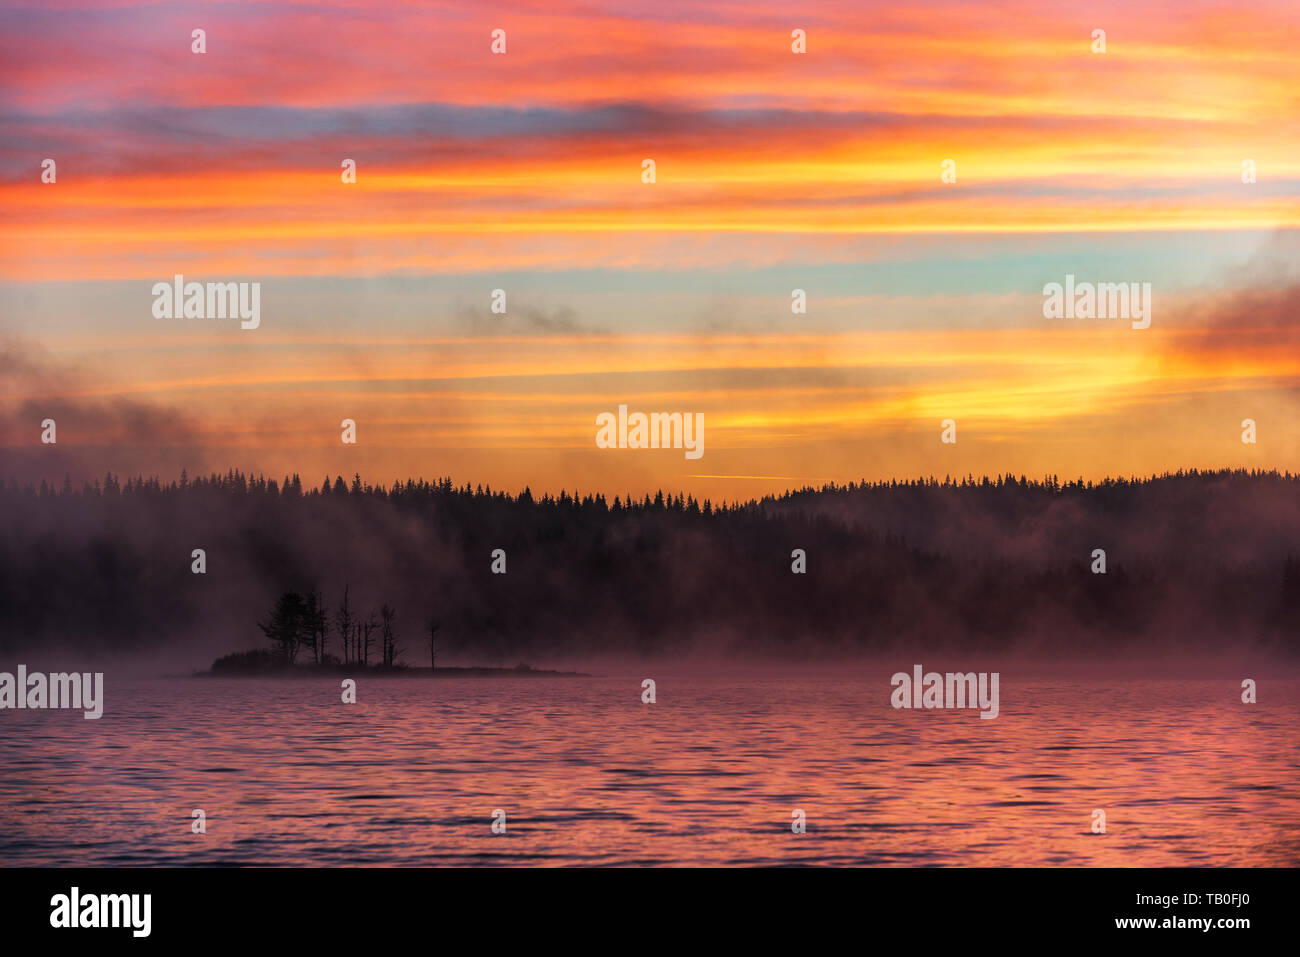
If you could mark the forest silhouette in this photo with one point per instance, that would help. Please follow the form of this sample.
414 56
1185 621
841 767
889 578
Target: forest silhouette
1195 560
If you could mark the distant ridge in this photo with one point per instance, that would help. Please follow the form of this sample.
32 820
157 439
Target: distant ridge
1193 560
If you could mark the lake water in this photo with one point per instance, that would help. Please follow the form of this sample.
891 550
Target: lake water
709 774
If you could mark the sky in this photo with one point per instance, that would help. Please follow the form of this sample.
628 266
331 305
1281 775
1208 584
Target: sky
774 171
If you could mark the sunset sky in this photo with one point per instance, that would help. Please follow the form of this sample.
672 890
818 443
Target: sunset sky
775 171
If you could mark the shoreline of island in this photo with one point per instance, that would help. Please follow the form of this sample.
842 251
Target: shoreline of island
255 665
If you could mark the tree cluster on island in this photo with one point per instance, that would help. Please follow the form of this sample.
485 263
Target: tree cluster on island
300 624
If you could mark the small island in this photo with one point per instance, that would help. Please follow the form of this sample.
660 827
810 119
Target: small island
301 624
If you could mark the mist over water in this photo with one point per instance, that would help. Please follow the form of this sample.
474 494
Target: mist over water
709 774
1189 564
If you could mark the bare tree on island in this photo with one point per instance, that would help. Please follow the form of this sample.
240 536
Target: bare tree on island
316 620
345 621
432 627
388 613
368 628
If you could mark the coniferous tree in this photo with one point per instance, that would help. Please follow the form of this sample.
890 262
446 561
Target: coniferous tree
287 626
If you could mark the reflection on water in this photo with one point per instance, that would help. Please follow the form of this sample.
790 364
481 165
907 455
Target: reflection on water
709 774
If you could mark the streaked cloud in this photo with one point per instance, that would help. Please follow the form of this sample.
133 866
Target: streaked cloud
775 172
